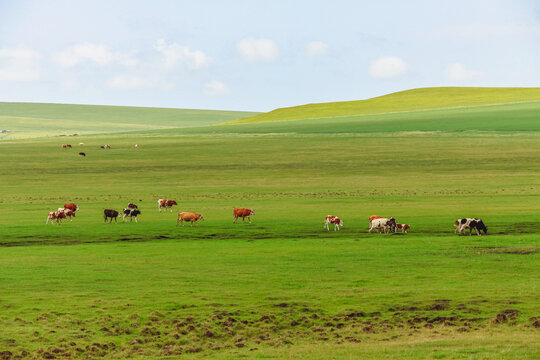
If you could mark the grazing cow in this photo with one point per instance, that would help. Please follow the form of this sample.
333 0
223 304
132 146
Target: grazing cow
243 213
81 144
383 224
470 223
330 219
65 146
68 212
112 214
71 206
55 215
132 206
164 203
403 227
82 154
132 213
136 146
189 217
105 146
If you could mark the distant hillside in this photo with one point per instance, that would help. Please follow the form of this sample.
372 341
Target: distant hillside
24 120
403 101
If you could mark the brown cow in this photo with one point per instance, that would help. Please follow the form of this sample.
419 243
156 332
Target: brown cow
331 219
71 206
69 213
403 227
164 203
112 214
237 212
189 217
55 215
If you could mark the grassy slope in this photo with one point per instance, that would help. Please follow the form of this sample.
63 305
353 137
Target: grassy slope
409 100
37 120
135 280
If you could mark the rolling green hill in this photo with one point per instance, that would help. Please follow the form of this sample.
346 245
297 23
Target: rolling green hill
27 120
403 101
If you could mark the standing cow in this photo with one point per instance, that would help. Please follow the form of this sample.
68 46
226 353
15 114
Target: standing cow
55 215
112 214
470 223
383 224
167 204
243 213
403 227
71 206
330 219
68 212
132 213
189 217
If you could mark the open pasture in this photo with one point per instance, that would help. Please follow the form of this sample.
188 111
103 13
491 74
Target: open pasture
281 287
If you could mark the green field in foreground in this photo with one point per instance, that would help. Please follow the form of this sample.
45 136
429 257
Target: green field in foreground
280 287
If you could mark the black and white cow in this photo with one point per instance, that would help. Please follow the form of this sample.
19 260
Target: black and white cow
112 214
470 223
132 213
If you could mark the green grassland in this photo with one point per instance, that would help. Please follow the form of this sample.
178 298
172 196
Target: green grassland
29 120
403 101
281 287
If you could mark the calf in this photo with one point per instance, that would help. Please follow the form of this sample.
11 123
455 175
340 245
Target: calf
132 213
470 223
112 214
132 206
330 219
243 213
403 227
189 217
82 154
164 203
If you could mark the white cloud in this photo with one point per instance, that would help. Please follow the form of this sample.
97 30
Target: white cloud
19 65
92 53
457 72
316 48
175 54
216 88
387 67
129 82
258 49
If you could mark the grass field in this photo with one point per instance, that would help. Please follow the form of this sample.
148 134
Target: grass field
280 287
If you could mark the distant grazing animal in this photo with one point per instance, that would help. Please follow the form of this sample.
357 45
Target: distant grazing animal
403 227
82 154
65 146
69 213
71 206
132 213
132 206
189 217
167 204
330 219
383 224
81 144
470 223
373 217
136 146
55 215
243 213
105 146
112 214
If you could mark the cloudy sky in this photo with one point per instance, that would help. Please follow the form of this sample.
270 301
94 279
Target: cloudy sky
259 55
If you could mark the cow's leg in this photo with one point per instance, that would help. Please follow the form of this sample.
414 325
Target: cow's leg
477 232
124 218
177 221
136 220
249 218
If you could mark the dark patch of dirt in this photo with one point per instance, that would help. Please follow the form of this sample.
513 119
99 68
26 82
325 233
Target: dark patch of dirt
506 316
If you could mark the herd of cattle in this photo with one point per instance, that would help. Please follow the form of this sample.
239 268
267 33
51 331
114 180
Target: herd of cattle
106 147
377 223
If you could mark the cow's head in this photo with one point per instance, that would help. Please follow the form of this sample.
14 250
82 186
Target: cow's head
172 202
340 222
135 212
251 212
201 217
482 227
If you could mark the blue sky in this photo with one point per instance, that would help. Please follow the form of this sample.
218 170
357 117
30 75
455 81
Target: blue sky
259 55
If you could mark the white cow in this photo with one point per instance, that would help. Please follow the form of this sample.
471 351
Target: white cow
383 224
330 219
